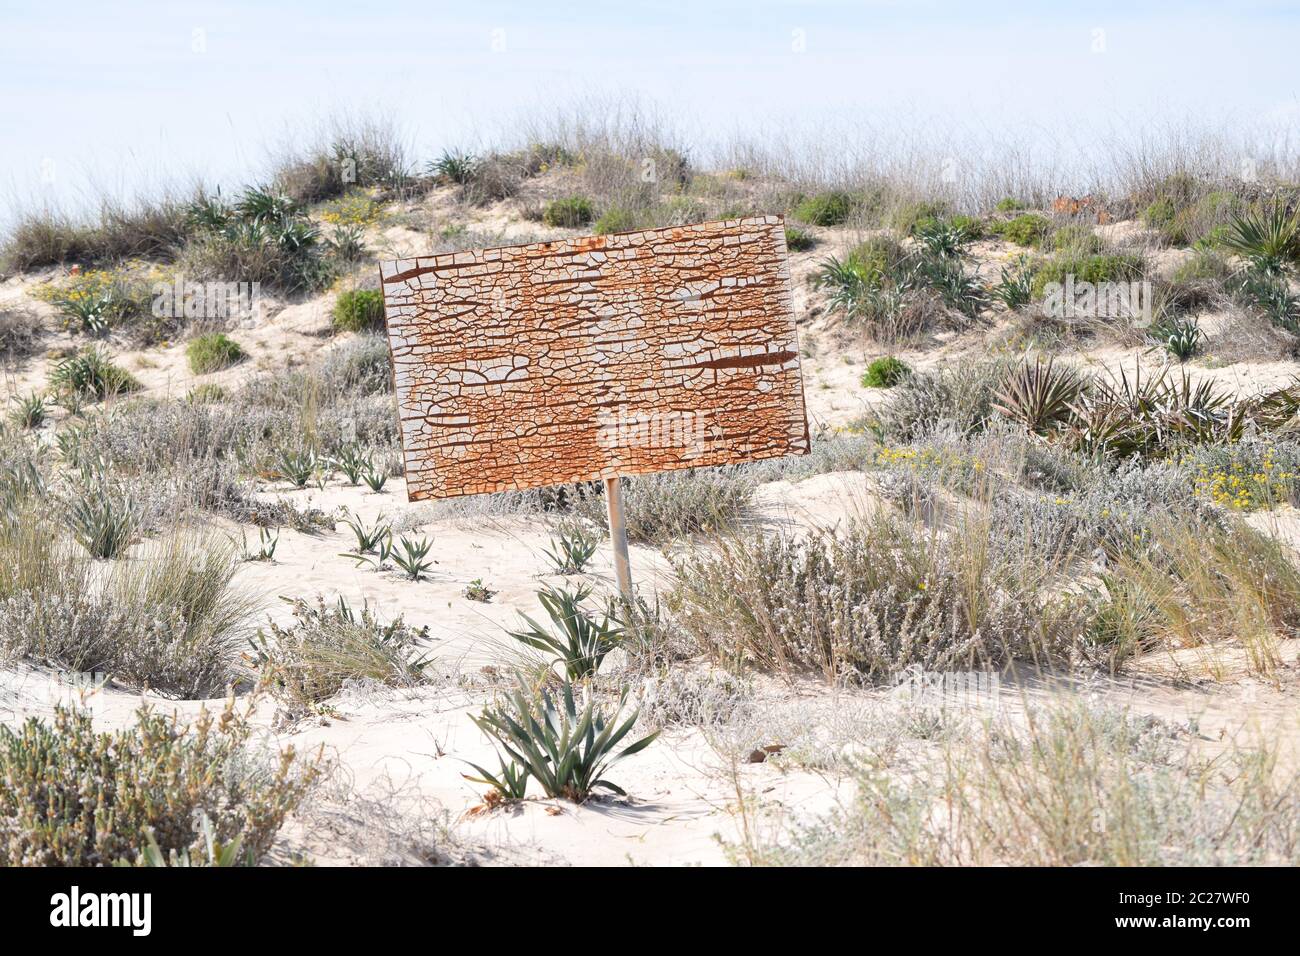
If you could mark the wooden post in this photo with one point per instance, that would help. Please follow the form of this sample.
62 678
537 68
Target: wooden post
618 536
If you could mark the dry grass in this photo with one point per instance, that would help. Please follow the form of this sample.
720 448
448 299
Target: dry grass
871 599
167 617
1194 584
1064 785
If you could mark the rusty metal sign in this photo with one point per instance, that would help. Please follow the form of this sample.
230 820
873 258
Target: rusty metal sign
588 358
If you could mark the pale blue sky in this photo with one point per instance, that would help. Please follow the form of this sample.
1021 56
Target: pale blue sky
120 98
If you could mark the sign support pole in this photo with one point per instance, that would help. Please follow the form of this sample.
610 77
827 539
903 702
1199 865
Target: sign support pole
618 536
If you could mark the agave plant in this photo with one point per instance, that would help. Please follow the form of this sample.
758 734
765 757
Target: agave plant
30 411
1180 336
958 289
942 239
1269 240
1099 429
1272 296
566 750
1277 409
576 638
296 466
214 852
455 166
209 213
262 206
368 537
410 555
91 374
347 243
1155 414
1016 286
849 282
352 463
268 541
570 553
374 476
295 235
102 519
92 311
510 782
1198 412
1040 396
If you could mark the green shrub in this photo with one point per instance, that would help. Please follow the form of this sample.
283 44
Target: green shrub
1108 267
798 240
77 797
1076 237
885 372
682 210
616 219
970 227
1160 214
911 217
876 257
359 310
568 213
1183 220
91 374
1026 230
1009 204
825 209
213 352
1203 266
1207 221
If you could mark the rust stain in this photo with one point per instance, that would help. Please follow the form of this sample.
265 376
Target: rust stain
584 358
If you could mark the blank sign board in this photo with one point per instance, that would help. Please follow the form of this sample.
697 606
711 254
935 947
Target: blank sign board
587 358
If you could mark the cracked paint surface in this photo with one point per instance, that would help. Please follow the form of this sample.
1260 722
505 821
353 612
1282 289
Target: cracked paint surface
587 358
